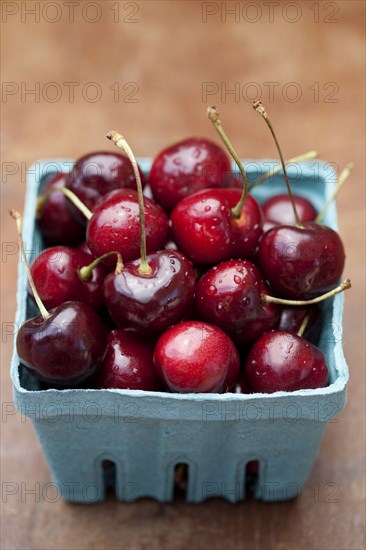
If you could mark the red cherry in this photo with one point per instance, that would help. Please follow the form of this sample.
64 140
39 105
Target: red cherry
281 361
301 262
115 225
154 301
56 275
65 348
230 296
96 174
185 168
204 229
279 209
56 223
195 357
61 347
128 364
201 226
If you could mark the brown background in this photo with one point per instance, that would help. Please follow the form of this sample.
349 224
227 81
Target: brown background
169 53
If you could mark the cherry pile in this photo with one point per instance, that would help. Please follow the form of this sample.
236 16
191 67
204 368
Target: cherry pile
197 289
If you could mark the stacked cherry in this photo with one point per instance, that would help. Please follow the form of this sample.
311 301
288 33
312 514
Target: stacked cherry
207 300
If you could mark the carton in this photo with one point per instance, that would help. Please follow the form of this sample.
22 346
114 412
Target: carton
134 440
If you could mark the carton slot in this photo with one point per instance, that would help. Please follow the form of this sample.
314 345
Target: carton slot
109 477
180 480
251 479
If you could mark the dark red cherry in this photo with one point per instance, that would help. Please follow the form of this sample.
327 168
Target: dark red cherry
128 364
195 357
204 229
281 361
85 248
151 302
292 318
301 262
185 168
115 225
64 349
96 174
279 209
55 221
230 296
56 275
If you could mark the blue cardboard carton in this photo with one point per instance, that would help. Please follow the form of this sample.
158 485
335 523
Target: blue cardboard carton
142 436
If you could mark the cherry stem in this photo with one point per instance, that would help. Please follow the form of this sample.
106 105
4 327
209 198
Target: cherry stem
70 195
213 115
284 302
305 156
258 106
304 324
86 271
119 140
342 178
18 219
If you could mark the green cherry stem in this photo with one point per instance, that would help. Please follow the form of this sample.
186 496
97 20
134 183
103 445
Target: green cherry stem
258 106
18 220
213 115
284 302
69 194
303 326
86 271
305 156
119 141
342 178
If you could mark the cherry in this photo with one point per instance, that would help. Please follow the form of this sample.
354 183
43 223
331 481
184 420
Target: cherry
56 223
155 291
96 174
128 364
195 357
185 168
203 228
154 301
231 296
301 262
278 209
214 225
61 347
56 272
246 215
115 225
65 348
281 361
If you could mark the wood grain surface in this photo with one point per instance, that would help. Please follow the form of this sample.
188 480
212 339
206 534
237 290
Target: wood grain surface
150 69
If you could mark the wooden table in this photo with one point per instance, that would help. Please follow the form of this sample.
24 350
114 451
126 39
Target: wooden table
150 69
